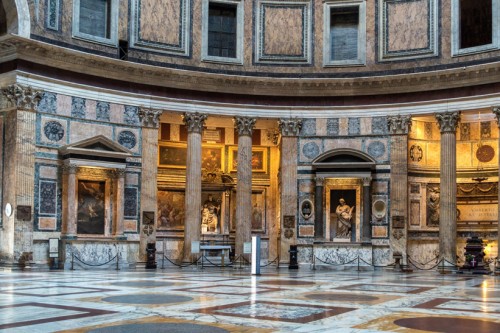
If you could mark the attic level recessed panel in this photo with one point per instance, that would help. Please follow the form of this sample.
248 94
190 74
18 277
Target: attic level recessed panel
344 159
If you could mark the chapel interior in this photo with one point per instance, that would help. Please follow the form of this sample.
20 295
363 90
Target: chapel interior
334 137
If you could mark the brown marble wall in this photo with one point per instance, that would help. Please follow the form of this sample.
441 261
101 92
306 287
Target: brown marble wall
283 31
408 25
160 23
407 29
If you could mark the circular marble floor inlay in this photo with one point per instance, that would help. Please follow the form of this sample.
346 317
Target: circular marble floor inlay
287 282
143 283
338 297
449 325
159 328
147 299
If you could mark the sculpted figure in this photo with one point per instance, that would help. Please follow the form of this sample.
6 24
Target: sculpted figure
344 217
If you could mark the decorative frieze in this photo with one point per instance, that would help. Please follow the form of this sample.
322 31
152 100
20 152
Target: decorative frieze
400 124
290 127
448 121
22 97
194 121
149 117
244 125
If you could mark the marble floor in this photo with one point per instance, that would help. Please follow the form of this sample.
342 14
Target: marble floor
232 300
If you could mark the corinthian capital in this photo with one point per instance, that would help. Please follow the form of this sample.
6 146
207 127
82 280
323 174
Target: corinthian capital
290 127
244 125
399 124
194 121
448 121
149 117
22 97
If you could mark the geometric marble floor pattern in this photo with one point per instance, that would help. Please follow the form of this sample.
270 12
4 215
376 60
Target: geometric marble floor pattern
213 300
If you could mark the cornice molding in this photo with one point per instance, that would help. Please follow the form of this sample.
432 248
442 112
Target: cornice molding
15 47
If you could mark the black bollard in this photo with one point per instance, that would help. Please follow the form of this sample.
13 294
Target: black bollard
151 256
293 257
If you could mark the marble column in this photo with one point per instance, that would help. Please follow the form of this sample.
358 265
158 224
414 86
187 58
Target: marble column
496 111
118 214
448 123
365 235
192 225
319 225
399 126
18 182
290 129
150 120
69 201
244 126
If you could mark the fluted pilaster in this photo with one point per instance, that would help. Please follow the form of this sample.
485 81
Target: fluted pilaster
119 175
244 127
192 226
448 123
399 126
70 202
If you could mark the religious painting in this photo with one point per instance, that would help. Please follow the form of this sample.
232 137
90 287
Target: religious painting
171 213
90 213
259 159
172 155
211 212
258 216
433 198
212 157
342 213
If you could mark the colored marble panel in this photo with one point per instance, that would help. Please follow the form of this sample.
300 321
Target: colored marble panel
78 107
130 225
283 30
379 231
102 111
159 327
286 312
306 231
161 24
147 299
386 288
332 127
130 115
408 25
48 103
130 205
354 126
47 223
379 125
48 197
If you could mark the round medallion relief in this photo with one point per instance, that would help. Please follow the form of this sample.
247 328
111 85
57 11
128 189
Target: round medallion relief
53 130
310 150
485 153
127 139
376 149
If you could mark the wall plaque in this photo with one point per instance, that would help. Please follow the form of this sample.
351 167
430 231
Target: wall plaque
24 213
398 221
289 221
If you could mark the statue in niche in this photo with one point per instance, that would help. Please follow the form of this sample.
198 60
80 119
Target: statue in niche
344 217
210 214
433 207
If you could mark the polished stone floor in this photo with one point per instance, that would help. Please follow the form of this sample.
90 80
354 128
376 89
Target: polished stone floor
214 300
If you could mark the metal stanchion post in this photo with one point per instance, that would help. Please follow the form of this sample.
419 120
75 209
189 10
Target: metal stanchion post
72 260
358 263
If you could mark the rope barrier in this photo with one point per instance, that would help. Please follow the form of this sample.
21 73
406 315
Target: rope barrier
270 263
182 266
435 258
424 269
336 264
376 266
95 265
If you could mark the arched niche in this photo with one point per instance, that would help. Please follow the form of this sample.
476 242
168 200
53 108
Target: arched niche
343 171
15 18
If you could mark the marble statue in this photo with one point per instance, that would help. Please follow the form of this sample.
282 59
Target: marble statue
344 217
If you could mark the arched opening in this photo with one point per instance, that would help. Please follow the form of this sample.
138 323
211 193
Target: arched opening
343 197
15 18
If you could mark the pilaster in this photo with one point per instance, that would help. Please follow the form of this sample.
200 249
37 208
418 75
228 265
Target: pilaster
399 126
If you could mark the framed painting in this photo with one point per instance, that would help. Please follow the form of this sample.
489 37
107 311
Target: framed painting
212 157
172 155
171 213
91 209
259 159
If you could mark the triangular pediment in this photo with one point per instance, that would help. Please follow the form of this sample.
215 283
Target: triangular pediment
98 146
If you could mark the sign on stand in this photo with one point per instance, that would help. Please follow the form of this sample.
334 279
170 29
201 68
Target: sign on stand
255 255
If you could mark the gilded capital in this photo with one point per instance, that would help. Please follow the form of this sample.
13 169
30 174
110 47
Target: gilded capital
496 111
194 121
448 121
400 124
22 97
244 125
290 127
149 117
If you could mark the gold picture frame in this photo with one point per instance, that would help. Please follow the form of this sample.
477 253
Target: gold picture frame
212 157
172 155
259 159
